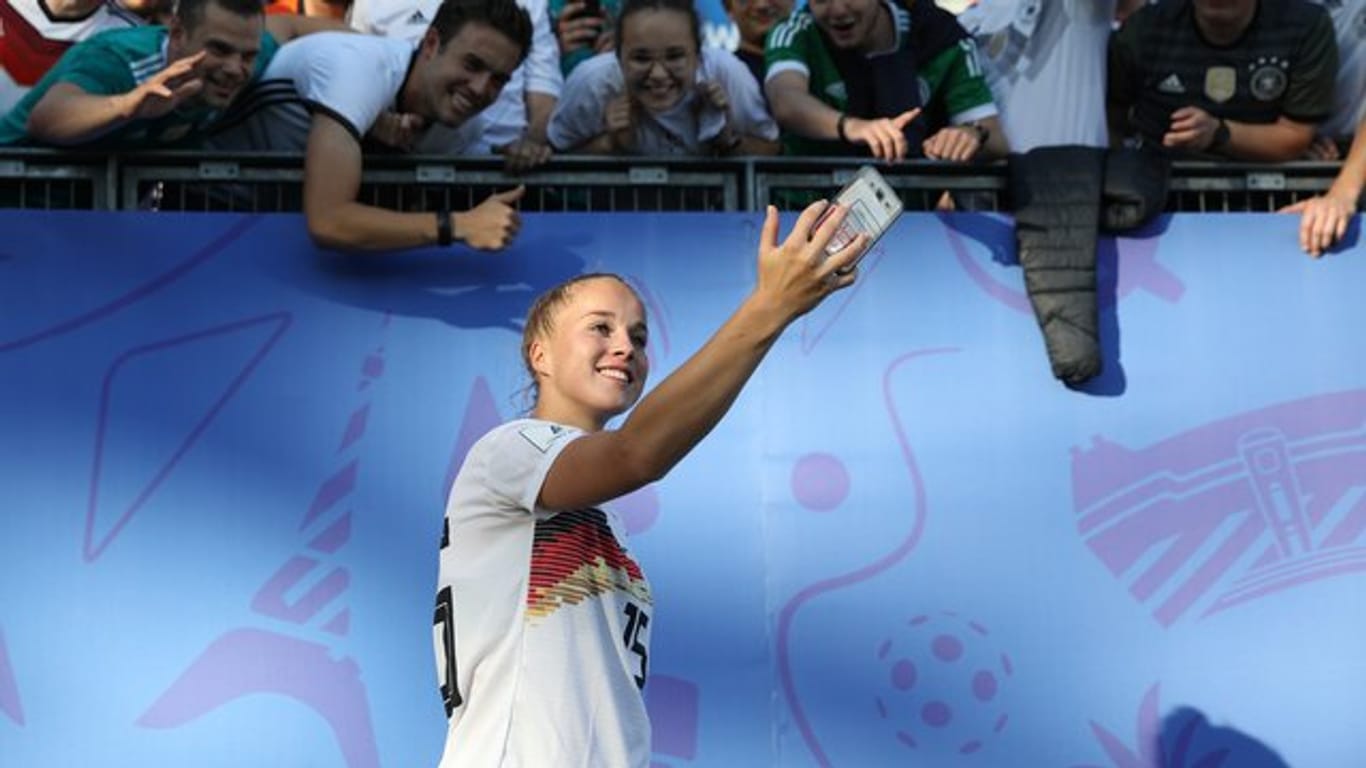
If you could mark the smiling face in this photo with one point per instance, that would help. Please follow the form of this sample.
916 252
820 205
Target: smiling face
458 80
755 18
230 42
659 56
589 361
849 23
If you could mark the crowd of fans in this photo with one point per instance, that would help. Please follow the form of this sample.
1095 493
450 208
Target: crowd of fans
1253 80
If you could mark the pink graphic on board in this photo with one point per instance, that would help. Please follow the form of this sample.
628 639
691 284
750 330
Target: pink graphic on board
1182 738
481 415
309 590
820 482
136 293
978 240
1230 511
1143 751
815 325
242 345
248 662
963 710
817 493
674 709
10 704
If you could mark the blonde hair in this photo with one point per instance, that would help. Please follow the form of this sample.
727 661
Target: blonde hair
540 321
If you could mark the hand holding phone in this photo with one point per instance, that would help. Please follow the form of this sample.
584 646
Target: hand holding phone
873 207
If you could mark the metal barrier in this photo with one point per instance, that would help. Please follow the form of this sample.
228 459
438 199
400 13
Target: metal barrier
180 181
40 179
1230 187
262 182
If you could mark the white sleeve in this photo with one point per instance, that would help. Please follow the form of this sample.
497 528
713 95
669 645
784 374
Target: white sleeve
339 80
519 458
579 115
360 18
542 65
748 110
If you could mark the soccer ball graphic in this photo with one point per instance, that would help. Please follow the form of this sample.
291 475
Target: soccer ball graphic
943 685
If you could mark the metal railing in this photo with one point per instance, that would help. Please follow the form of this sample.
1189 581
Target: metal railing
196 181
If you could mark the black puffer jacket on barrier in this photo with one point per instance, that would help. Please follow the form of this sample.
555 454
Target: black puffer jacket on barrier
1061 195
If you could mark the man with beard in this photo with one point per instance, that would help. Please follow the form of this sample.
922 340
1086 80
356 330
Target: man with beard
147 87
324 94
1242 79
894 78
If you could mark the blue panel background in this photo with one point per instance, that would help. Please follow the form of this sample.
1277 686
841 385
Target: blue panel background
223 459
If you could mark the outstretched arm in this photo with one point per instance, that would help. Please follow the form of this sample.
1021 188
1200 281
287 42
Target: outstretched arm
1324 218
794 277
332 175
797 111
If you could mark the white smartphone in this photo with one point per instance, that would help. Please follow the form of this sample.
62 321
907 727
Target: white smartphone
873 207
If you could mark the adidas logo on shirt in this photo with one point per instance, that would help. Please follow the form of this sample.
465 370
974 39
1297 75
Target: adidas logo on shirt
418 17
1172 84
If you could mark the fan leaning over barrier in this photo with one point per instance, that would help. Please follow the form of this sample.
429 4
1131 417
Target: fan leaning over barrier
326 94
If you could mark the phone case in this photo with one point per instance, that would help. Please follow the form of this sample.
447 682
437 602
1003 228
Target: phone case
873 207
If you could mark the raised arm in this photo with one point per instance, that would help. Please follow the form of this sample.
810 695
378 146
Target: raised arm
794 276
332 176
69 115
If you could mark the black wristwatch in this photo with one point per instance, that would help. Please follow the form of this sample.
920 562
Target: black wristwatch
444 235
1221 135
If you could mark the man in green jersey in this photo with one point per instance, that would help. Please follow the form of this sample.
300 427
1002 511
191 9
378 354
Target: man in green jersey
151 87
894 78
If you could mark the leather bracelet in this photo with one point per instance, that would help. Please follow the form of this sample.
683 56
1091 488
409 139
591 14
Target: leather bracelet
839 128
444 235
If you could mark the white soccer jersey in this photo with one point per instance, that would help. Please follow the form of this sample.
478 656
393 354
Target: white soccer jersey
351 78
505 119
680 131
1349 92
1045 63
542 627
31 41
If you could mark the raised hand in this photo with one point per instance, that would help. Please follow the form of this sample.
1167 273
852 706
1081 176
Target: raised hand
574 29
620 121
884 135
796 274
712 94
398 130
492 224
163 92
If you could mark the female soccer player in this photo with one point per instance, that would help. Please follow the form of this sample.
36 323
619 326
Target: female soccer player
543 616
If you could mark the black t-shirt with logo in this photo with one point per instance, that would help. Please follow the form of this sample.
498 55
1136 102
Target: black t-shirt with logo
1284 64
